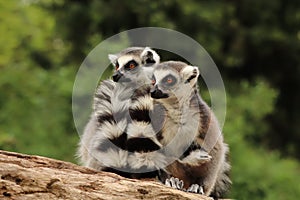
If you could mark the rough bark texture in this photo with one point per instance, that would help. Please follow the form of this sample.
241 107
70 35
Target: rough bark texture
34 177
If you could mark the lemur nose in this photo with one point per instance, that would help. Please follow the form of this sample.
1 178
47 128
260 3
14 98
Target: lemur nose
156 93
116 76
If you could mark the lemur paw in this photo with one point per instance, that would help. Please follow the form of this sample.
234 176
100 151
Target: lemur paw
197 157
195 188
203 156
174 183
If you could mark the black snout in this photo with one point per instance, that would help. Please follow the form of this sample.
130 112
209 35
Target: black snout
116 76
157 93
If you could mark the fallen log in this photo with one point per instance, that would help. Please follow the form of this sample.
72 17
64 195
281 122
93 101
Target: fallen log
35 177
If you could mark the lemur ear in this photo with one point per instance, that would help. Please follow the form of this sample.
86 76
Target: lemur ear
113 58
149 57
190 74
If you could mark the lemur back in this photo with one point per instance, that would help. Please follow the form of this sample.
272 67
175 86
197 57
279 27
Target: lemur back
122 106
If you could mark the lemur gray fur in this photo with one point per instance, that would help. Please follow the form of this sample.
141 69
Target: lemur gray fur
120 130
121 135
189 129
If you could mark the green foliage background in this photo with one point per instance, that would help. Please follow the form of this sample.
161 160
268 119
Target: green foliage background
254 43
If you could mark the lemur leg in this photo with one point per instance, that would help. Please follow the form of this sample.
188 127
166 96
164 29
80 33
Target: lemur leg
196 158
178 174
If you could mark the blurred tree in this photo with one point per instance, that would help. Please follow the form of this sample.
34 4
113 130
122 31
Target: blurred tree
35 86
246 39
267 35
256 173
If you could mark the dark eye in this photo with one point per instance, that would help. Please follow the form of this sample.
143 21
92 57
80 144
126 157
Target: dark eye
169 80
153 81
117 65
131 65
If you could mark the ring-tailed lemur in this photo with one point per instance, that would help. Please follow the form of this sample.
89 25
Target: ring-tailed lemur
120 130
114 142
192 128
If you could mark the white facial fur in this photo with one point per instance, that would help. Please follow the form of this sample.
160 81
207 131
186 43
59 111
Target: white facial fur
136 75
142 73
161 73
115 57
183 86
125 59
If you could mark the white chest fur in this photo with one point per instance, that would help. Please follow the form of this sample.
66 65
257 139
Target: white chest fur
180 129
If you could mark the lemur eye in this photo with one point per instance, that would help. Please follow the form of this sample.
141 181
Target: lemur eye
169 80
131 66
153 81
117 66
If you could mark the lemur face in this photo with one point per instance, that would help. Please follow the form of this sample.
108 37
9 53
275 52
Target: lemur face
173 79
126 67
134 64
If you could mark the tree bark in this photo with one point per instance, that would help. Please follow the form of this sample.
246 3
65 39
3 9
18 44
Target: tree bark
35 177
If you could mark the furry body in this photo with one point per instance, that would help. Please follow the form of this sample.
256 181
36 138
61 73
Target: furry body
190 127
120 136
135 136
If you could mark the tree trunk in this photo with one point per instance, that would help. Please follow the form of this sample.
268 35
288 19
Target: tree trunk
35 177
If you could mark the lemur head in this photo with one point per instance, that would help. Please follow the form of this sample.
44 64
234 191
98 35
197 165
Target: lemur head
134 64
173 79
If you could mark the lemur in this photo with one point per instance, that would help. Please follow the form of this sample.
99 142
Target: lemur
190 129
120 135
